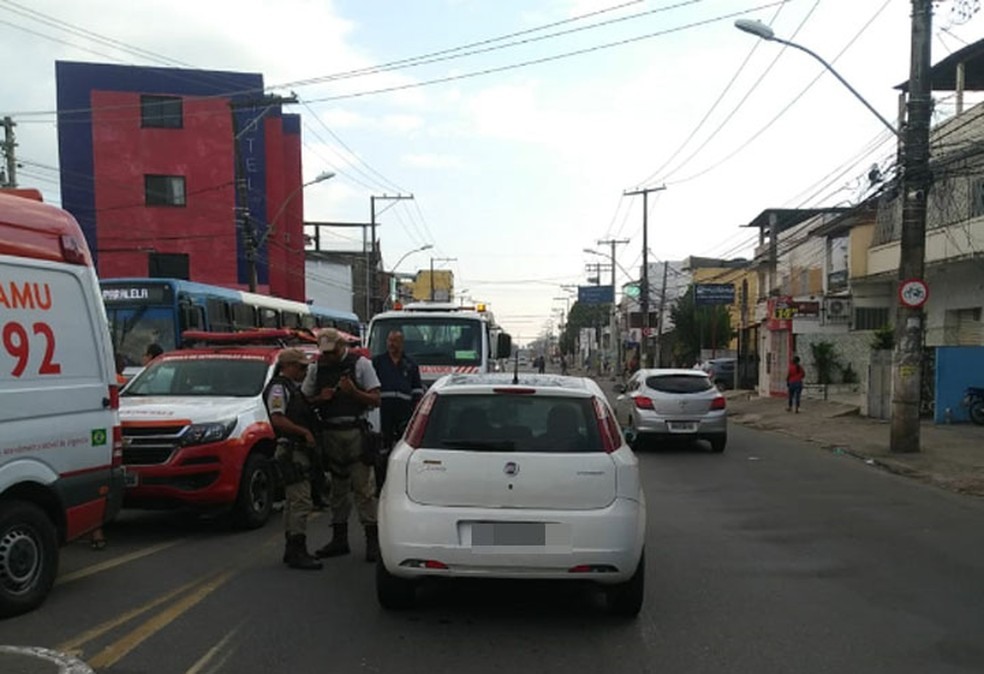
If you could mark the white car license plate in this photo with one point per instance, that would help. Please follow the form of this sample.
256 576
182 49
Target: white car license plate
485 534
682 426
130 479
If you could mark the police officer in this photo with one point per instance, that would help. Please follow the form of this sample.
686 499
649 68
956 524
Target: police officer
400 391
343 385
292 419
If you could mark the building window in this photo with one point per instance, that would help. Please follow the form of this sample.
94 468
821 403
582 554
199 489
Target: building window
168 265
161 112
164 190
870 318
977 198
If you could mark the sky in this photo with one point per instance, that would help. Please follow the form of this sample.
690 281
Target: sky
528 120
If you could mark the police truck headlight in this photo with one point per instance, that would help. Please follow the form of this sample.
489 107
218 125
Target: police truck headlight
202 434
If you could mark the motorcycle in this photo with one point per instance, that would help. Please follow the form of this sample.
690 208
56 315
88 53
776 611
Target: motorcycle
974 401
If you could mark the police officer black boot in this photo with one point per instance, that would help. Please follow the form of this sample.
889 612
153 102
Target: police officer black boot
339 544
296 555
372 543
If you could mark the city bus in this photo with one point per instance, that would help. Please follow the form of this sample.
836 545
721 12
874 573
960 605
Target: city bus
143 311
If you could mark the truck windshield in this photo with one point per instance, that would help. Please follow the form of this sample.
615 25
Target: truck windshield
432 340
134 328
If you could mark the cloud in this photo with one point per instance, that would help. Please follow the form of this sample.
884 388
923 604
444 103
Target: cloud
431 161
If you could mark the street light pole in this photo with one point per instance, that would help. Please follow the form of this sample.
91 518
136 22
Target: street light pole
321 177
392 272
916 180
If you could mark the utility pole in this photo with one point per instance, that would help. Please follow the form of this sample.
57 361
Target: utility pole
616 345
659 316
916 180
371 260
597 268
644 295
245 223
9 143
433 260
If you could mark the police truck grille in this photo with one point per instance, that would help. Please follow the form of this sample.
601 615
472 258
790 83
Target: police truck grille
143 446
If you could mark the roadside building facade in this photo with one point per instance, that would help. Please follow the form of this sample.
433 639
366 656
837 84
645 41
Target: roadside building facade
149 162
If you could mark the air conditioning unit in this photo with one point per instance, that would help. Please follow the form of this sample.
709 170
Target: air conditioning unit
837 309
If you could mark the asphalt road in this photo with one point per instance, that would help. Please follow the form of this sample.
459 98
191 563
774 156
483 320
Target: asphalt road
774 557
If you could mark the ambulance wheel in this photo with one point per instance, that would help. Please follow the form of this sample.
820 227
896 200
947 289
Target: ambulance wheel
256 493
28 557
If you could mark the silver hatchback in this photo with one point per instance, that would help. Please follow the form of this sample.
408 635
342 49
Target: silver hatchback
677 404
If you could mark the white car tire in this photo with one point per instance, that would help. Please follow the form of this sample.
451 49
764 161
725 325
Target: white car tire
625 599
393 593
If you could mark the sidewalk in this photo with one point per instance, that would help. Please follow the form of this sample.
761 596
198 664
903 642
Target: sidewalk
952 456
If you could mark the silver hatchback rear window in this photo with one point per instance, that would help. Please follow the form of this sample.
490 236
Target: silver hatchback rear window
679 383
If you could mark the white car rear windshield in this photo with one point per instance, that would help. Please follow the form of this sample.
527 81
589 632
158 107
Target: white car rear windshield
512 422
679 383
218 377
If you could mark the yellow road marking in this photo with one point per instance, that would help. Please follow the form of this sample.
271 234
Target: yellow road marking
116 651
99 630
199 666
115 561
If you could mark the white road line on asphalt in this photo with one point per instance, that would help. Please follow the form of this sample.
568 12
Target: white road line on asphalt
203 662
115 561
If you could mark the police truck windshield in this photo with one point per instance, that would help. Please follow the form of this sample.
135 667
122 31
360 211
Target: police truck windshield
432 340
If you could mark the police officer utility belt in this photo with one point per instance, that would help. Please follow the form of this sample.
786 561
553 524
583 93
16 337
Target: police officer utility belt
342 423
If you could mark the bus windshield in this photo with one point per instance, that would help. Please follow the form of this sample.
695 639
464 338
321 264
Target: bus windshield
432 340
134 328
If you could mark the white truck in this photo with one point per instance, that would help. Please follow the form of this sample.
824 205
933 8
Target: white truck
443 338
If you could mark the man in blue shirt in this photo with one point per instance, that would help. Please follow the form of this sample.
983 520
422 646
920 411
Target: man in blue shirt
400 391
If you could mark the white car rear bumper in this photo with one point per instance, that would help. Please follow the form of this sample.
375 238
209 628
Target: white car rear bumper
608 540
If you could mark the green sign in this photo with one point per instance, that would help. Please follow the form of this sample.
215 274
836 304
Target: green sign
98 437
631 291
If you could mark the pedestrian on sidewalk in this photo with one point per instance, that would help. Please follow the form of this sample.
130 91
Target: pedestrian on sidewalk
794 382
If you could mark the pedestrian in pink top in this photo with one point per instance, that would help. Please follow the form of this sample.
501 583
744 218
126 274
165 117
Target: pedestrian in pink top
794 382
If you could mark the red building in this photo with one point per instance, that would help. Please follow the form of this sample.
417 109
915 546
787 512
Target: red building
149 169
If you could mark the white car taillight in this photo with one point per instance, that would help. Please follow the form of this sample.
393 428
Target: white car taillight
418 424
607 428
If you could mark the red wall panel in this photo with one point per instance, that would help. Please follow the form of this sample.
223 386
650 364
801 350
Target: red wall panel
201 151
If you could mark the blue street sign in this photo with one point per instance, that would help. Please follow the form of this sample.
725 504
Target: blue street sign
714 293
596 294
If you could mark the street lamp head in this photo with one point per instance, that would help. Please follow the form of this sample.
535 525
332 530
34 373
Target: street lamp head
426 246
324 175
756 28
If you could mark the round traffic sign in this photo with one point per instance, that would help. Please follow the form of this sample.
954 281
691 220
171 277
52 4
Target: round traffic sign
913 293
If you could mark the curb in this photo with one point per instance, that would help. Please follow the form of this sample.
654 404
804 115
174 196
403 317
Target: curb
37 660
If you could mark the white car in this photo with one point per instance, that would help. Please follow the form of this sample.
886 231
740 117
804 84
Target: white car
523 477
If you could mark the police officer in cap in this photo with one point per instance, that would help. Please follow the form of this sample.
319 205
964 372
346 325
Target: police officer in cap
343 385
292 419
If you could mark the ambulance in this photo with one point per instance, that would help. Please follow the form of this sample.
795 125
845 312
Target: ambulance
61 473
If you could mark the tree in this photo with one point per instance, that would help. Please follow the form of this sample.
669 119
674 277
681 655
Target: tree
698 327
583 316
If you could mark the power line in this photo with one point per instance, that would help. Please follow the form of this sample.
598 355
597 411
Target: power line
789 105
710 111
545 59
